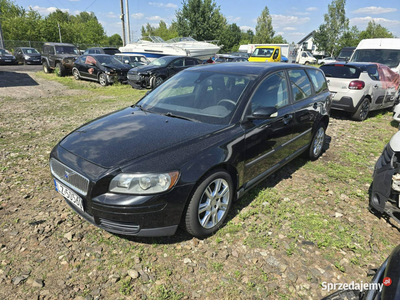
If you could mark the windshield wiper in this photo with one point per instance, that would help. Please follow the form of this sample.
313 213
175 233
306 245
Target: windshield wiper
169 114
140 107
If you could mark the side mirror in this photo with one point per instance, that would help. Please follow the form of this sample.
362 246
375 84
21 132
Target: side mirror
275 55
126 61
263 112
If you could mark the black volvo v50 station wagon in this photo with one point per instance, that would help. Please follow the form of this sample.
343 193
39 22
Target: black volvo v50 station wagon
192 146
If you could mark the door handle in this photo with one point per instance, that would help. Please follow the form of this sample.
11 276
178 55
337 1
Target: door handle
287 119
315 106
376 86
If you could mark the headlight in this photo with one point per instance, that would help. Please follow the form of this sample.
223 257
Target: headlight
143 183
27 57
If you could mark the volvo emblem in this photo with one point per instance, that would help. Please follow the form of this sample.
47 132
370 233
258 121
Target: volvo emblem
67 174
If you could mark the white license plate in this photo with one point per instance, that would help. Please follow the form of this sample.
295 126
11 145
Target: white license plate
69 194
7 60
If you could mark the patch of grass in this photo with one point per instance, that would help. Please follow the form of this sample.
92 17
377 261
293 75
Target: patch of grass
217 266
165 294
126 287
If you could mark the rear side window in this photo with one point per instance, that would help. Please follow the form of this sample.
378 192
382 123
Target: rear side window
341 71
301 86
373 72
318 80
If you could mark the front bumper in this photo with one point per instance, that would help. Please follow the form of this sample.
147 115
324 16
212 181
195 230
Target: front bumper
33 61
385 186
135 215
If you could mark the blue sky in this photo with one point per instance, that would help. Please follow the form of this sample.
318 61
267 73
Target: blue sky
293 19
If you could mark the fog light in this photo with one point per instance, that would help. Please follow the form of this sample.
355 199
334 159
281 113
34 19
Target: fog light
396 182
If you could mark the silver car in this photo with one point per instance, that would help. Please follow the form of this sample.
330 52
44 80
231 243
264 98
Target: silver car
361 87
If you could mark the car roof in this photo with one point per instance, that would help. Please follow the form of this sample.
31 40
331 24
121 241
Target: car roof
96 54
104 48
58 44
25 48
249 68
129 54
229 56
359 65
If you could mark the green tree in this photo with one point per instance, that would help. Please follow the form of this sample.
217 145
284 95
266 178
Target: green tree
163 31
350 38
374 30
115 40
334 26
278 39
230 38
264 29
200 19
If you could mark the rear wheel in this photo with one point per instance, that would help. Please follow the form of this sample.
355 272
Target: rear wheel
209 205
317 142
46 67
362 111
306 63
156 81
75 72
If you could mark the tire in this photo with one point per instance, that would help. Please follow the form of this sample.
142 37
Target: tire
317 142
362 110
46 68
61 70
208 207
103 79
306 63
75 72
156 81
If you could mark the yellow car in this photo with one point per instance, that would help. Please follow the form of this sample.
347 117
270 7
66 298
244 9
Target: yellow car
266 54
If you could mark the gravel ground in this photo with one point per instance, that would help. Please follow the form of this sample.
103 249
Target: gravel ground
48 252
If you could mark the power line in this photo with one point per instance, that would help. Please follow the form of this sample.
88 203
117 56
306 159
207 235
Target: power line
90 5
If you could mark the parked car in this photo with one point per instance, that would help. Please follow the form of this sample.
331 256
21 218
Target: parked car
284 59
191 146
102 50
103 68
59 56
326 60
7 58
385 188
159 70
385 285
230 58
134 60
345 54
361 87
27 55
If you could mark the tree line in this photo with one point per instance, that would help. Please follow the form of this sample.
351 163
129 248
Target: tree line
21 24
200 19
334 33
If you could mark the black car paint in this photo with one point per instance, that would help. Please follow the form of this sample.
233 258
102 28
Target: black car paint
146 72
6 58
119 71
135 141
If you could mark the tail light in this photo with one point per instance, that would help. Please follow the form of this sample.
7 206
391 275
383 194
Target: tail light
356 85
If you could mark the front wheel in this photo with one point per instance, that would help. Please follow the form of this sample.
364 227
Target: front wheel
362 111
306 63
317 142
156 81
60 70
209 205
103 79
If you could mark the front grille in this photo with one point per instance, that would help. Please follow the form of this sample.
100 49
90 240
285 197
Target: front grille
69 177
133 77
121 227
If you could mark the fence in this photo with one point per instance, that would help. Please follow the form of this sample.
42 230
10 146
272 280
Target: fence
11 45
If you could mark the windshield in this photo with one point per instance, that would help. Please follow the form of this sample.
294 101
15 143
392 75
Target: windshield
263 52
390 58
341 71
2 51
345 53
309 54
111 51
207 97
66 50
108 60
30 51
161 62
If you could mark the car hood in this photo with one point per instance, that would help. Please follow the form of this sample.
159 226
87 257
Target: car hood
7 55
123 68
32 54
144 69
115 139
395 142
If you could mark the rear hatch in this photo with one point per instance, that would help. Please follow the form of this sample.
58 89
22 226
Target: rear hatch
339 76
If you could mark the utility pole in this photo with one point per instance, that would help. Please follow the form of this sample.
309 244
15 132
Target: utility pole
128 29
1 36
59 31
123 23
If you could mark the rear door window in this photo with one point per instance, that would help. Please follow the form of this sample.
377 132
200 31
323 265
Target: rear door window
341 71
373 72
318 80
301 86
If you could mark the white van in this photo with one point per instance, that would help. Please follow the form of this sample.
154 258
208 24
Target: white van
383 51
